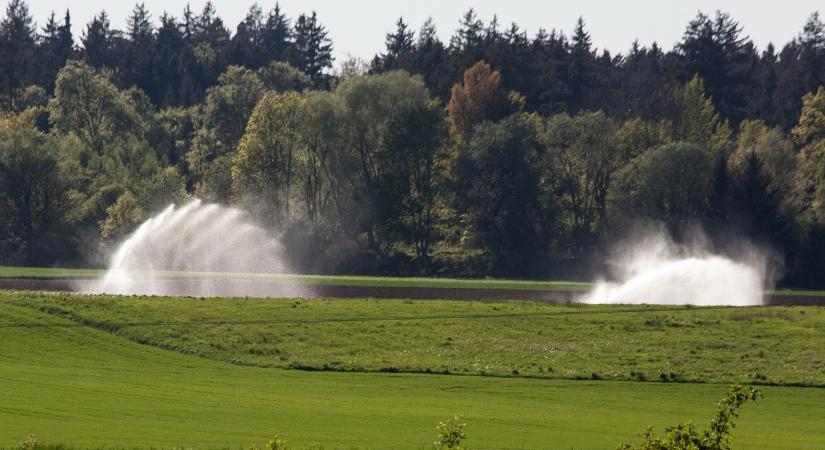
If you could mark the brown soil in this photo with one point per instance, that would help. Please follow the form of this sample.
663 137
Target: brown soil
257 289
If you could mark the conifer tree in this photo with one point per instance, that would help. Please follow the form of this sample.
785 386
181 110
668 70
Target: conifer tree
276 35
97 41
17 50
313 48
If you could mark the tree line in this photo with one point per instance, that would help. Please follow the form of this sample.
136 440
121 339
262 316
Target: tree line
496 153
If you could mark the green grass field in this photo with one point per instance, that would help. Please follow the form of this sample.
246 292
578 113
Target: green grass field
777 345
84 387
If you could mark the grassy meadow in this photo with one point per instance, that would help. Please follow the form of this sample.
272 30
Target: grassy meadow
87 388
763 345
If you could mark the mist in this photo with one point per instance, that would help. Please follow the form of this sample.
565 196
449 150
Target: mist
652 268
198 249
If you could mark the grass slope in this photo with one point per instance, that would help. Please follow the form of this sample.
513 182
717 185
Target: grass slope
777 345
87 388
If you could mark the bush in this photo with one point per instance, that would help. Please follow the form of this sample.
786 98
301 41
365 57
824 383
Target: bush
717 437
30 443
277 443
450 434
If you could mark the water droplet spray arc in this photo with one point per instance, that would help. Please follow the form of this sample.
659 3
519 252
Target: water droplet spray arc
655 270
201 249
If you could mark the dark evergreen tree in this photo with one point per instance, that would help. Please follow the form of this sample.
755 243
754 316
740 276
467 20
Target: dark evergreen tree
398 45
429 58
761 97
643 73
246 46
276 36
800 69
470 34
551 57
188 24
173 65
209 28
581 67
716 50
98 42
17 50
137 65
313 48
56 46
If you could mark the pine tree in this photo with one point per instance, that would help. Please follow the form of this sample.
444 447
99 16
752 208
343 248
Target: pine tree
800 69
17 49
276 35
209 28
56 46
139 56
313 48
429 58
398 44
581 67
97 42
716 50
140 28
469 35
173 58
246 47
188 24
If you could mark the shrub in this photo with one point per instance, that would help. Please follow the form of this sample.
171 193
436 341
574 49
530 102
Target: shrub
30 443
717 437
277 443
450 434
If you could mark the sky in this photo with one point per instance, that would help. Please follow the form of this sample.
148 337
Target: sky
357 27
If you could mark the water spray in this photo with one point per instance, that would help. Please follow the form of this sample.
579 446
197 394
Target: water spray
655 270
198 249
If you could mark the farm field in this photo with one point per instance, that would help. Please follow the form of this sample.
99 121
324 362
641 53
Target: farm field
763 345
84 387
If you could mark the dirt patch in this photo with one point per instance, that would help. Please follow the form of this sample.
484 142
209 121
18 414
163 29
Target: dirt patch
184 287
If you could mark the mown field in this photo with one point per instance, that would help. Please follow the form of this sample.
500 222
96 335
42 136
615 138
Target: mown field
764 345
85 387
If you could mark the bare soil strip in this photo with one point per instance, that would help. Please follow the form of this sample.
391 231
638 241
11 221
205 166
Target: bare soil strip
184 287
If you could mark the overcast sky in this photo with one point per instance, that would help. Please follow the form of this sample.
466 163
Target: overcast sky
358 27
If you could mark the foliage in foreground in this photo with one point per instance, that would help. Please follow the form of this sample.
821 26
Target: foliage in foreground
717 437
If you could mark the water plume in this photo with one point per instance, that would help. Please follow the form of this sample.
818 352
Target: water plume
198 249
656 270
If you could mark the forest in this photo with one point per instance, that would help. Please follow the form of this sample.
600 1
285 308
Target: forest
498 153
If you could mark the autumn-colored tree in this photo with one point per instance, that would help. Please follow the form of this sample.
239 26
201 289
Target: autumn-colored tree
478 98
